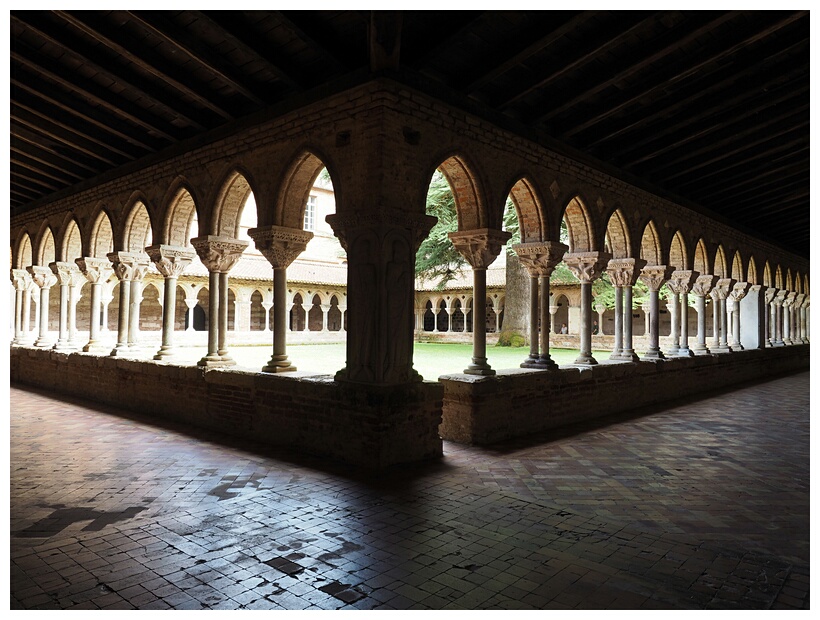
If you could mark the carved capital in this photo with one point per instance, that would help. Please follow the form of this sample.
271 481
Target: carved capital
587 266
769 295
739 290
42 276
655 275
800 302
130 265
703 284
348 226
279 244
479 247
625 271
789 300
66 272
724 287
780 297
95 270
540 258
21 279
681 281
219 254
170 260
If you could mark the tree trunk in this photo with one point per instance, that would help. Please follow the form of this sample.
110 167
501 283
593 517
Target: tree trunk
516 304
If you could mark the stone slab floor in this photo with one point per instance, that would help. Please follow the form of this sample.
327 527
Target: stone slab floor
704 504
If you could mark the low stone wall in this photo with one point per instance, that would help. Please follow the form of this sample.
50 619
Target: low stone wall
365 426
519 402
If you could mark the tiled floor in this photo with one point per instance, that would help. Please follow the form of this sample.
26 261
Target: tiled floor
701 505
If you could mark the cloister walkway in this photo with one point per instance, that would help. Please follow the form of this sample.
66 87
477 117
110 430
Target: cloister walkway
702 504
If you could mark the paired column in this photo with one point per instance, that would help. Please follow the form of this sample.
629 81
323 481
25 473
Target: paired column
22 304
281 246
480 248
381 250
788 318
738 292
587 267
540 259
768 298
219 255
129 267
721 293
623 273
700 289
65 273
802 312
779 299
654 276
681 283
673 305
44 278
171 262
96 271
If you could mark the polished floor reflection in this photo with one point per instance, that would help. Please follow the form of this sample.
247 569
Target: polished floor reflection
703 504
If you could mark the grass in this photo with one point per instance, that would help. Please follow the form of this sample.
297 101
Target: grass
431 360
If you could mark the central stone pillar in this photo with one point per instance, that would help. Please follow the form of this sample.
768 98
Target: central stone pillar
623 273
64 273
44 279
96 271
171 262
540 259
381 252
738 292
480 248
587 267
219 255
654 276
281 246
700 289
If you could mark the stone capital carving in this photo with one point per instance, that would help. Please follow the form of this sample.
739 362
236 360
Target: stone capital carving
217 253
130 265
66 272
43 277
348 226
681 280
170 260
279 244
625 271
655 275
722 288
739 290
21 279
789 300
541 257
801 300
780 297
587 266
703 284
95 270
480 247
769 295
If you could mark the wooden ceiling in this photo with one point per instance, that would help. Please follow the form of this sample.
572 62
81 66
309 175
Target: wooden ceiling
711 107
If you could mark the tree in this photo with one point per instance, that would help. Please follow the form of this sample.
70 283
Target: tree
437 257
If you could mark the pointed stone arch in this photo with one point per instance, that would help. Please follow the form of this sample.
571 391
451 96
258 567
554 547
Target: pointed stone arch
617 236
778 278
678 256
751 271
468 193
530 211
789 283
721 265
25 254
101 239
230 201
798 283
181 217
45 250
137 231
767 275
701 264
651 245
738 272
806 284
579 226
71 246
294 191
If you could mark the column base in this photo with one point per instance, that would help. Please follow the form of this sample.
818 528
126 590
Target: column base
278 363
654 355
214 362
585 360
42 343
704 351
93 346
542 363
64 346
736 347
627 355
119 350
721 349
479 367
685 352
164 353
616 355
672 351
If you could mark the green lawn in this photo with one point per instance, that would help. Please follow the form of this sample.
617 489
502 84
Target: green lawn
430 359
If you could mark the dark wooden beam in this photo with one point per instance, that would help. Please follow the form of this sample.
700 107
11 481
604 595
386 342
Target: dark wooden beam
36 155
332 51
29 175
23 161
755 182
58 148
763 168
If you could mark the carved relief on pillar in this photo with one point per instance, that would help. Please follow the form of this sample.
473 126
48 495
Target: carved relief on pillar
587 266
219 254
479 247
739 291
279 244
655 275
703 285
130 265
681 280
66 272
540 258
625 271
95 270
347 226
170 260
21 279
43 277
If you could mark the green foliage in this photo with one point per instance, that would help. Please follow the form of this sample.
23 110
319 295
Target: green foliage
511 225
437 257
509 338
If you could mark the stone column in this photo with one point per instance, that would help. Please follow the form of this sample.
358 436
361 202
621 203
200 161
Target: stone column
788 318
73 299
587 266
44 278
623 273
123 263
190 304
680 283
540 259
480 248
700 289
645 307
654 276
171 262
779 298
142 264
96 271
673 305
381 250
27 295
21 280
722 289
281 246
738 292
715 295
219 254
806 314
802 301
267 305
769 299
65 276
